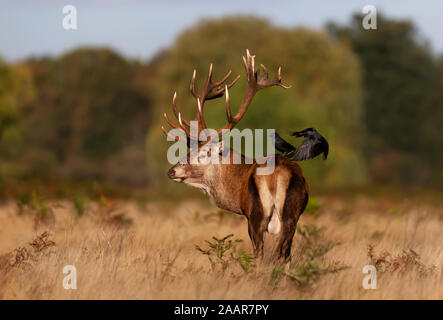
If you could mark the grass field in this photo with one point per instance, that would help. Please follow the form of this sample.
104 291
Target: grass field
147 250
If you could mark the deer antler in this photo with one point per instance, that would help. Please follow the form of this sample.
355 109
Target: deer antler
213 90
255 82
210 90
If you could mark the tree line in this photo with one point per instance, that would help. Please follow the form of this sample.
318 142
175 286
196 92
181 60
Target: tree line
92 114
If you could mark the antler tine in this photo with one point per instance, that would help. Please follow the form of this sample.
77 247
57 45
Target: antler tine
264 82
249 63
255 82
252 59
180 121
192 86
179 117
220 91
228 105
199 115
208 85
176 113
222 80
210 90
172 124
278 79
168 135
230 123
265 71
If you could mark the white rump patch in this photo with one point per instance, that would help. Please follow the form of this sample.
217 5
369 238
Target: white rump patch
269 209
274 224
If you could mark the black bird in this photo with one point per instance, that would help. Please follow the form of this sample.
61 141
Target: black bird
314 145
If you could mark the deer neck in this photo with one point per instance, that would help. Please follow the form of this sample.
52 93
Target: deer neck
224 184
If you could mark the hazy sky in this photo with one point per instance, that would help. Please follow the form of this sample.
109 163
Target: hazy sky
139 28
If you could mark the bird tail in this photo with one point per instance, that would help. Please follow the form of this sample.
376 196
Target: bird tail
283 146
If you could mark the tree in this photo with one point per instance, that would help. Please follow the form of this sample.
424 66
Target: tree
431 118
398 69
90 116
15 90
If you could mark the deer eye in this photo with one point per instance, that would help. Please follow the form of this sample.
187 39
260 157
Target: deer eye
204 154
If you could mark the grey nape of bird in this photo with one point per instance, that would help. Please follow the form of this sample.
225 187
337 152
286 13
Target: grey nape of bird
311 147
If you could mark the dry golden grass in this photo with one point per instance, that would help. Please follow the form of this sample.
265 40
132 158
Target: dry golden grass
155 256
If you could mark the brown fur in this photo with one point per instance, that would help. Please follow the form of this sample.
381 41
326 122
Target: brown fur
294 204
237 188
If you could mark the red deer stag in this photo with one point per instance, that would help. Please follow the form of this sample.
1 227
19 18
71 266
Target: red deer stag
272 202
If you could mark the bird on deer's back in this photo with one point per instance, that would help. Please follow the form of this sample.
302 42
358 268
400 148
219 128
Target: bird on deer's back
314 145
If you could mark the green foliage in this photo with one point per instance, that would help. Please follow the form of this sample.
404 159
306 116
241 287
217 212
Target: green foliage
35 205
15 90
245 260
218 250
39 205
276 274
88 114
80 205
377 235
88 118
431 118
399 82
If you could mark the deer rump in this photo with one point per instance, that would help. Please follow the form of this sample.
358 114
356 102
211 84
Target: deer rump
276 201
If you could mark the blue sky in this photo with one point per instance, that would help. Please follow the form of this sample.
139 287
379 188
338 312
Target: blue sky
138 29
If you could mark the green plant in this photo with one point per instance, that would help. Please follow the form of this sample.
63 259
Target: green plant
377 235
218 249
245 260
35 205
80 205
276 274
38 204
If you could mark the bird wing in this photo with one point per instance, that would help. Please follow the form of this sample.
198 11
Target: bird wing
302 133
310 148
304 151
281 145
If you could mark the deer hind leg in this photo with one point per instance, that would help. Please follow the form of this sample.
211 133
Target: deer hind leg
285 241
256 227
256 234
293 205
257 218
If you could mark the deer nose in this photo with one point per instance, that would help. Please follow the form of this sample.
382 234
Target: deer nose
171 173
